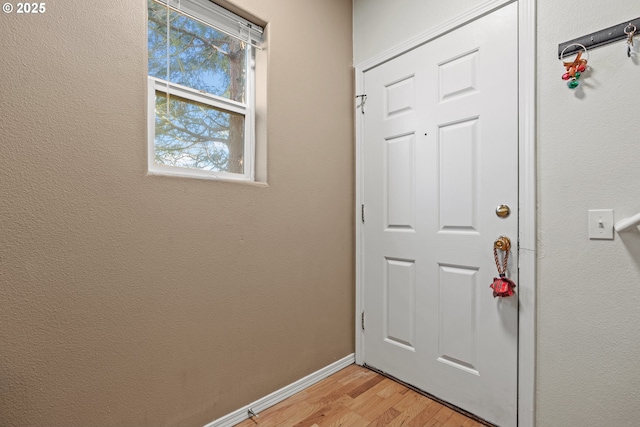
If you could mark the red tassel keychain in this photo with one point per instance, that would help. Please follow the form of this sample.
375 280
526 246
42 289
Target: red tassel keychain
502 286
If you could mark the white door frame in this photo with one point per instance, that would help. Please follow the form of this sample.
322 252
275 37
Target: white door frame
527 188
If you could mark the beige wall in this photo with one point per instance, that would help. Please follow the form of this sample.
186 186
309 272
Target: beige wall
132 300
588 292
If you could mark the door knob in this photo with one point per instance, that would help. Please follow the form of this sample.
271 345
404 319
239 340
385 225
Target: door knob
503 243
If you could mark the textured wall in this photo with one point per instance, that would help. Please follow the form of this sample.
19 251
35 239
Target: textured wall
129 299
588 291
381 24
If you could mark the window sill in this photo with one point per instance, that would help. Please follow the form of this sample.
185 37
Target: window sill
209 178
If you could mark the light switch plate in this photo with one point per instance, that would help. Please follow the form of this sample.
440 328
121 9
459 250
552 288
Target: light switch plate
601 224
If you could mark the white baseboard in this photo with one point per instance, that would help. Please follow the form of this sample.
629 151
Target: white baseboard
260 405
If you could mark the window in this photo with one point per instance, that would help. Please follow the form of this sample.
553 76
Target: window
201 90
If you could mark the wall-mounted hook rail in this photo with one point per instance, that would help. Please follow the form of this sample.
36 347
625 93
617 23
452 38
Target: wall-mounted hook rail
597 39
627 223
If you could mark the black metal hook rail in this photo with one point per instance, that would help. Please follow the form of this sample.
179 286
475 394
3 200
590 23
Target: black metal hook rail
599 38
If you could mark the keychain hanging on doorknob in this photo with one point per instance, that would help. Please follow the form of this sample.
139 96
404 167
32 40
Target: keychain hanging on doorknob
502 286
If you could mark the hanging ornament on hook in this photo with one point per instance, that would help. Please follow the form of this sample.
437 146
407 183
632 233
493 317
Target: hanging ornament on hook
575 68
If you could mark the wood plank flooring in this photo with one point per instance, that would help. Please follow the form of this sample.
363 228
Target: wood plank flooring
358 397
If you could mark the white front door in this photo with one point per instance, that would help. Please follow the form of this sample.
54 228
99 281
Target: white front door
440 154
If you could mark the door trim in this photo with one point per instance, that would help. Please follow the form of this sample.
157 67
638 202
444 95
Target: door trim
527 187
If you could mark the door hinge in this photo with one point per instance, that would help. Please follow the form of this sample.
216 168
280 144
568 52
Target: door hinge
362 212
362 320
363 99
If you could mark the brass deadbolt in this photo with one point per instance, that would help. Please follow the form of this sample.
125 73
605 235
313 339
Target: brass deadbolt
503 211
502 244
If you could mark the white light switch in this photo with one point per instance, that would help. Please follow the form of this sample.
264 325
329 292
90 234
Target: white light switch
601 224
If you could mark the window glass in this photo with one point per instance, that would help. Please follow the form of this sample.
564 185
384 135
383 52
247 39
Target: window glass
200 57
194 135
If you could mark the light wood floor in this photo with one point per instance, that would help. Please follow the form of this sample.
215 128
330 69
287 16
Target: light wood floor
358 397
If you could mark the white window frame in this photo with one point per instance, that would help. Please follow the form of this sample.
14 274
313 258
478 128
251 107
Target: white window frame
246 109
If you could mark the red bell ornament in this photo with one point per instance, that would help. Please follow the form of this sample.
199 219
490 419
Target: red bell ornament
502 286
